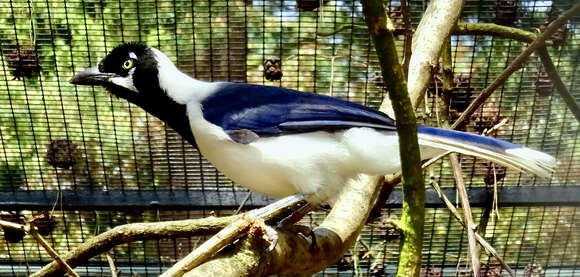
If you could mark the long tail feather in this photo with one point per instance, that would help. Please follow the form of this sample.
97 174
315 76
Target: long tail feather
495 150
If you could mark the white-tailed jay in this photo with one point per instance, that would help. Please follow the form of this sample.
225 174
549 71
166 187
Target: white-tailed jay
279 141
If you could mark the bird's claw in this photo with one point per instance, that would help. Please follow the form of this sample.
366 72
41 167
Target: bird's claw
271 237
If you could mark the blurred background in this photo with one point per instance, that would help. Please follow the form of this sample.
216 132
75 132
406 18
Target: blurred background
86 161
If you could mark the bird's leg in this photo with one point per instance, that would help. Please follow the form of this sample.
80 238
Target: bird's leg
289 223
278 205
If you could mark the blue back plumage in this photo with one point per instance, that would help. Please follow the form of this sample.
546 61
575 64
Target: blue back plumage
271 111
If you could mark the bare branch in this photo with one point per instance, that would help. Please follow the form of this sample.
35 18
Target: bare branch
463 28
408 37
31 229
516 64
442 114
553 74
111 265
12 225
223 238
470 226
491 29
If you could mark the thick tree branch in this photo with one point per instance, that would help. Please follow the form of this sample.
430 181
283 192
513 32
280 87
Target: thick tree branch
435 27
144 231
295 254
240 226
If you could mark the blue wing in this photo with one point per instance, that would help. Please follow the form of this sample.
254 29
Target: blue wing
272 111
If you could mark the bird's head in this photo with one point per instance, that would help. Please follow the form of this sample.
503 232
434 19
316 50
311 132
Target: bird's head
146 77
138 73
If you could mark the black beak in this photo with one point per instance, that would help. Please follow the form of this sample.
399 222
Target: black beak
91 76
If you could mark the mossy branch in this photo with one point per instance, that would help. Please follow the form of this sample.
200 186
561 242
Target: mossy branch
491 29
413 186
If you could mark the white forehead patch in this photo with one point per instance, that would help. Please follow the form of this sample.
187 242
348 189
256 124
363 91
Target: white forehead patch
132 55
126 82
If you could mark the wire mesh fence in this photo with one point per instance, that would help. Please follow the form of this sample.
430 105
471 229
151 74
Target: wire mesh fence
71 142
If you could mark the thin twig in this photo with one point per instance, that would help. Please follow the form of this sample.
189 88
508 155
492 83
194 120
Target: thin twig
466 213
516 64
31 229
408 37
495 127
248 195
111 265
494 204
478 237
12 225
447 80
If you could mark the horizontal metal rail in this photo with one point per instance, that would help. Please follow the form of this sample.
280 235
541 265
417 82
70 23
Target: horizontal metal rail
199 199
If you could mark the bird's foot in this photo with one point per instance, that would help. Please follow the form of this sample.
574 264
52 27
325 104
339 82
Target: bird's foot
290 223
270 234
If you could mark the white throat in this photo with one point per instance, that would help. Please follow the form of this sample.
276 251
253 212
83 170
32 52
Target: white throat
179 86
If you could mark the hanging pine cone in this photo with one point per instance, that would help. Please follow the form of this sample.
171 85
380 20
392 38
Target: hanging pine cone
396 16
487 270
44 222
377 270
436 85
378 79
62 153
506 12
500 172
484 121
12 235
309 5
432 272
23 61
273 69
460 96
543 83
11 176
533 269
345 262
558 38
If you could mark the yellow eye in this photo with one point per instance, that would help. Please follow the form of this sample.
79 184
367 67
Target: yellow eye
128 64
